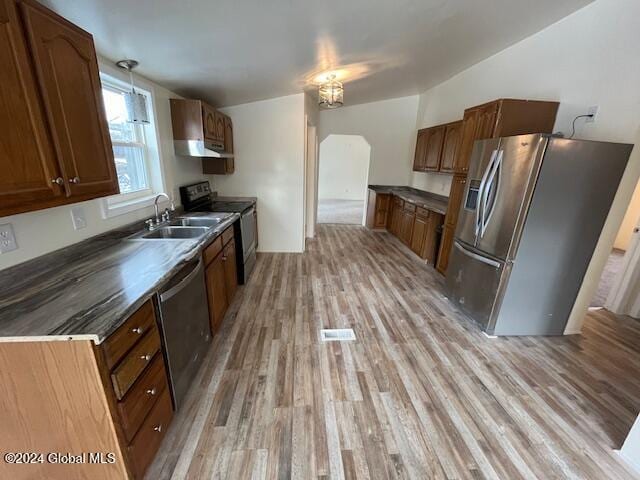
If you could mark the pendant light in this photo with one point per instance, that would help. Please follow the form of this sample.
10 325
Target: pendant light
331 93
136 103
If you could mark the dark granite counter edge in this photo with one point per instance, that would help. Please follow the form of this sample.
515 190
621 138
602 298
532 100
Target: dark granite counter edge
431 201
101 334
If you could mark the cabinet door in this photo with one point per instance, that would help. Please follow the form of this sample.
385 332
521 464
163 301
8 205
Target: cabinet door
455 199
421 150
452 135
209 123
219 117
434 149
419 234
382 207
430 251
406 226
488 116
230 272
445 248
67 72
216 292
27 159
228 135
469 127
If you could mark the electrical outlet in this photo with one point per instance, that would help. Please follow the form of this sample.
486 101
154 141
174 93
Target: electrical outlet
592 111
7 238
78 218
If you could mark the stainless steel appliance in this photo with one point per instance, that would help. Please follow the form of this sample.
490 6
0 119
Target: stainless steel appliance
184 327
532 214
197 197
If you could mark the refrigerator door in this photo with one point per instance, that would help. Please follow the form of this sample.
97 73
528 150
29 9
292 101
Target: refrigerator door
473 283
484 153
506 194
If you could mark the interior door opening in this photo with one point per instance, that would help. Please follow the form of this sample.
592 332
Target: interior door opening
343 179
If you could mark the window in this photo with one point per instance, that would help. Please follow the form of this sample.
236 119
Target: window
129 144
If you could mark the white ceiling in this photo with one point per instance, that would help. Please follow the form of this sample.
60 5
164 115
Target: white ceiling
236 51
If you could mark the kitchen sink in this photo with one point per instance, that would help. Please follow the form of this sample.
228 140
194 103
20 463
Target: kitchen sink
178 233
195 222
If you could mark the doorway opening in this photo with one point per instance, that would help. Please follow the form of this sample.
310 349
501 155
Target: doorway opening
343 174
613 279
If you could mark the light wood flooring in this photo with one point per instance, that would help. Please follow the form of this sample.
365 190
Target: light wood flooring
420 394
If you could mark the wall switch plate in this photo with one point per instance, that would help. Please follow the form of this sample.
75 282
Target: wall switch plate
78 218
592 111
7 238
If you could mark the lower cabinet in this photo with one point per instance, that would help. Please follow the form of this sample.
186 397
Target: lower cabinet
111 399
377 209
419 235
406 226
221 276
445 248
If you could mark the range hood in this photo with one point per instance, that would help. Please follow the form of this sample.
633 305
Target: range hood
200 148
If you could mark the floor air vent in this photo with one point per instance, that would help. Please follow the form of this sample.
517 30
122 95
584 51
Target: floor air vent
337 335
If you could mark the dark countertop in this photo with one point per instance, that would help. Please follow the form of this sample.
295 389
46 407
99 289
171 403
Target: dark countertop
87 290
428 200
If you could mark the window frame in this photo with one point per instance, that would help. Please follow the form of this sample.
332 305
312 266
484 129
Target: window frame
116 86
114 79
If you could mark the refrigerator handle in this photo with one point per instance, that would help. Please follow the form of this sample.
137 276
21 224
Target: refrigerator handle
479 213
477 257
493 176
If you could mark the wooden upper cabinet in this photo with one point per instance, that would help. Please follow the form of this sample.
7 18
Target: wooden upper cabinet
452 136
228 134
66 68
421 150
220 126
27 159
209 116
434 148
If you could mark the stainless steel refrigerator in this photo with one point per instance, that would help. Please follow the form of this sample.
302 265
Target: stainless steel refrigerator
533 210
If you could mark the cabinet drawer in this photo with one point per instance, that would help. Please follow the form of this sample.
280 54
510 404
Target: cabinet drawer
147 441
422 212
227 235
135 362
136 404
212 250
121 341
409 207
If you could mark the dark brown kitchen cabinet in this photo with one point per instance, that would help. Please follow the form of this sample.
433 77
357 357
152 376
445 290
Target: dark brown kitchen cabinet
407 218
452 136
216 292
230 270
377 209
197 121
55 142
419 233
434 149
500 118
419 158
221 276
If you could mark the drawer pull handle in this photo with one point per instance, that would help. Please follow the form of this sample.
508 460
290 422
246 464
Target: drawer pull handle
158 428
151 391
74 180
146 357
138 330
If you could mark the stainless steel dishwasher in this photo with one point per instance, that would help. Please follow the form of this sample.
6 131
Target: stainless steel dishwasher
184 325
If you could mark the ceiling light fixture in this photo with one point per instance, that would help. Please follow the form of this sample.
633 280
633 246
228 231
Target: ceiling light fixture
136 103
331 93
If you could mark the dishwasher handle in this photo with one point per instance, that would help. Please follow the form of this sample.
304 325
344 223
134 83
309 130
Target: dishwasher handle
164 296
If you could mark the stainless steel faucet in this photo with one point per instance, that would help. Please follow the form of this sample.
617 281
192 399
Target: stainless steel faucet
165 216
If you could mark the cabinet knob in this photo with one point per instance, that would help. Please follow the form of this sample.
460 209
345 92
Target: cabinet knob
74 180
151 391
146 358
138 330
58 181
157 428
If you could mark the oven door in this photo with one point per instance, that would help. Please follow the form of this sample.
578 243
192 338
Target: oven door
248 232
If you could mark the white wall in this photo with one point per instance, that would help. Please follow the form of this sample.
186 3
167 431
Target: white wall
388 126
269 146
344 167
43 231
630 451
588 58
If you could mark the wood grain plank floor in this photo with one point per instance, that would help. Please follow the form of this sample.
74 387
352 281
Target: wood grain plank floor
421 393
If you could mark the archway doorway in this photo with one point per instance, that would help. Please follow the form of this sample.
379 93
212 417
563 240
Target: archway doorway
343 173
